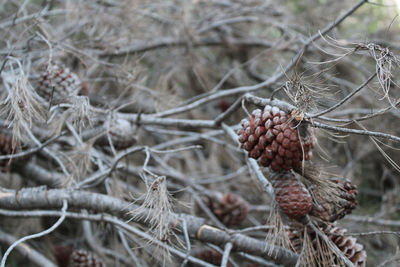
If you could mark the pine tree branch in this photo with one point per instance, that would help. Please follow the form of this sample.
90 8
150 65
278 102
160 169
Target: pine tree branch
40 198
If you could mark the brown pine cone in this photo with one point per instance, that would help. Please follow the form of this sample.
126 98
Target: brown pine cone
6 148
291 194
82 258
273 137
68 257
335 208
347 244
212 256
57 84
230 209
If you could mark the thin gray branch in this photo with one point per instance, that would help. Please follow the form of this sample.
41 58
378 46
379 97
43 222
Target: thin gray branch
164 42
225 256
355 131
43 233
26 251
341 102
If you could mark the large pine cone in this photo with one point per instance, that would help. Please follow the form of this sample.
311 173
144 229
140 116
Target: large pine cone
342 202
68 257
6 148
347 244
273 137
57 84
291 194
230 209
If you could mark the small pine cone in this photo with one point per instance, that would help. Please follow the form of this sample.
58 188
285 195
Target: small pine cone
291 194
335 208
6 148
57 84
211 256
68 257
347 244
81 258
230 209
276 139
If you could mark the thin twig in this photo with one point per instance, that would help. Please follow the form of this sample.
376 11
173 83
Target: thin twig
43 233
187 241
127 248
374 233
26 251
29 151
225 256
355 131
341 102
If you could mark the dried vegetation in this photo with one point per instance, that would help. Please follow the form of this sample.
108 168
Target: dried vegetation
118 133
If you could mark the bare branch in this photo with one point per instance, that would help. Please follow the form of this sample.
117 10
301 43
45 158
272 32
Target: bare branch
341 102
355 131
36 198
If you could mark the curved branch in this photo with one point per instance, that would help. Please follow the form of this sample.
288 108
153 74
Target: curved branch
26 251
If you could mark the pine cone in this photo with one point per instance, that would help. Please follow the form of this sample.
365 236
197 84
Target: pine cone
230 209
291 194
212 256
6 148
347 244
273 137
81 258
68 257
57 84
334 208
